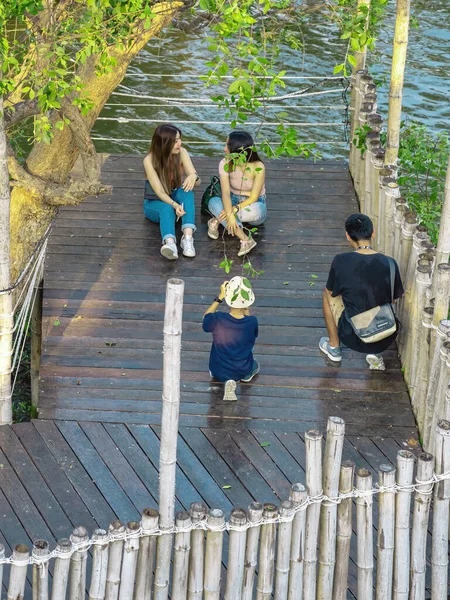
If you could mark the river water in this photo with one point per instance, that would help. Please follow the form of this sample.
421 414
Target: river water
169 67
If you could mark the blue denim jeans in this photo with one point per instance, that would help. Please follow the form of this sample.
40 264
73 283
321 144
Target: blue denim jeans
160 212
255 214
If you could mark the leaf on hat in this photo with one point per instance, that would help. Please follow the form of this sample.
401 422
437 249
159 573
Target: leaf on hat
234 297
247 283
245 295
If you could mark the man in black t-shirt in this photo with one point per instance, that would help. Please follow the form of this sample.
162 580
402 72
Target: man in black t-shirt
358 281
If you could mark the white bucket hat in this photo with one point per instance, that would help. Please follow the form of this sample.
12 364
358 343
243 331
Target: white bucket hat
239 293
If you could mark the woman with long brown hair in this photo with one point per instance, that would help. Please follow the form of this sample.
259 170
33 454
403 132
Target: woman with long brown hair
167 197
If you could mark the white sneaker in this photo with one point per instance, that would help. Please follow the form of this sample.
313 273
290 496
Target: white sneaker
246 246
169 250
376 362
213 228
187 245
230 391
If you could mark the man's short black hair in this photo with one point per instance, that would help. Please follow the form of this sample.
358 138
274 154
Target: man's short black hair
359 227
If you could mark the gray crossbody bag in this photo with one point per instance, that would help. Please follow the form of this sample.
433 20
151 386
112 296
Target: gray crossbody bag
377 323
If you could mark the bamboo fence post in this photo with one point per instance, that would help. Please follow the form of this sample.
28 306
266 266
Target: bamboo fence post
365 110
355 104
385 537
236 554
433 379
391 193
364 538
420 360
282 565
443 381
169 431
406 240
447 404
61 570
418 238
36 342
439 548
313 443
6 300
377 165
116 528
372 144
214 544
405 474
18 573
254 515
397 76
129 561
361 56
40 571
344 531
422 501
197 512
181 550
375 121
328 510
2 556
264 586
400 209
100 553
77 574
384 177
443 245
298 498
414 323
146 556
441 281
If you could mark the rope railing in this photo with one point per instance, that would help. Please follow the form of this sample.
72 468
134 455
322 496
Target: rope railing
424 487
204 143
187 122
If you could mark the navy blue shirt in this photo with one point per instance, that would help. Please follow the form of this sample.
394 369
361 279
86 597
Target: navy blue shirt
232 349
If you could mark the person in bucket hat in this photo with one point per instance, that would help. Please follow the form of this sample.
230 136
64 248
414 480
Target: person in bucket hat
234 335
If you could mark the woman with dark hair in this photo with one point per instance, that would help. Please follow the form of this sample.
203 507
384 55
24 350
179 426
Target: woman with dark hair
242 175
167 197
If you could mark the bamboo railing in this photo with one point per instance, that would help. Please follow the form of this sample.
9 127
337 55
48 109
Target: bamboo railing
298 550
424 337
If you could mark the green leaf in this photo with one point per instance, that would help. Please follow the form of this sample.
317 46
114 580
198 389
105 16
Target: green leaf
57 323
246 282
226 487
338 68
314 276
285 282
265 444
245 294
351 60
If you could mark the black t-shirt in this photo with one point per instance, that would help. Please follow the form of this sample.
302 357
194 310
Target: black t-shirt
363 281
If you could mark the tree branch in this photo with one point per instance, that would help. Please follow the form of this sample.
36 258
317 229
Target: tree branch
20 111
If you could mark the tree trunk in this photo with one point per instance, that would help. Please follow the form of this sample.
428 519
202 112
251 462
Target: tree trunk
30 215
6 317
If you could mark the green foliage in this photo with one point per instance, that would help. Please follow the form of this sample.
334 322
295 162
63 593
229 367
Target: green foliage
42 54
423 158
360 138
226 264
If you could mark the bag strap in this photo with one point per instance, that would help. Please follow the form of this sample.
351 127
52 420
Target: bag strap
392 272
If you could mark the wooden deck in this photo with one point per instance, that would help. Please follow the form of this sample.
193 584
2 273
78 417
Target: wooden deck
93 453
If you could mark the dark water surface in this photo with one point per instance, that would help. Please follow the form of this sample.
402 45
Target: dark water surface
169 68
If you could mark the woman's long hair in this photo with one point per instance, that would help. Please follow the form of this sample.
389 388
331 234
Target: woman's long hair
241 142
166 164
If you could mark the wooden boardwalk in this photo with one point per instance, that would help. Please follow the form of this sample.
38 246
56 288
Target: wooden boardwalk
93 453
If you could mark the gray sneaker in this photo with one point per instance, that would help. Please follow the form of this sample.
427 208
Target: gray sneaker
334 354
375 362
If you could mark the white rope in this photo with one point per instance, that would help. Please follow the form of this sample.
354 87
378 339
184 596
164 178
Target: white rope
207 143
294 124
214 105
203 524
297 94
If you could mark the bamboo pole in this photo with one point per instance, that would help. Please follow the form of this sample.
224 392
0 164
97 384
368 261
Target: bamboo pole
405 474
129 561
214 545
40 571
443 245
422 500
77 575
169 431
254 515
441 296
375 121
114 562
360 183
385 537
236 555
197 512
313 443
373 144
282 565
298 497
447 404
328 510
418 237
100 554
384 177
397 76
18 573
146 556
439 548
36 343
443 381
354 116
6 301
181 550
364 538
360 120
391 193
344 532
400 209
264 586
377 165
61 570
360 56
406 240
